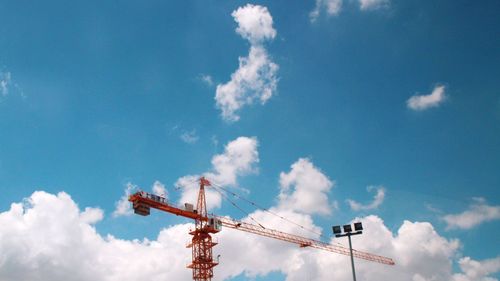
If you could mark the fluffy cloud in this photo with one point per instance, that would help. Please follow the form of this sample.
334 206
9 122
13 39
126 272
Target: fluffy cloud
159 189
333 7
423 102
372 4
477 270
5 80
378 199
239 158
122 206
91 215
254 23
255 79
479 211
49 238
305 188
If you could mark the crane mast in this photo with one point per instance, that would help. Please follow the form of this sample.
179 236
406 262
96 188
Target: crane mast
201 243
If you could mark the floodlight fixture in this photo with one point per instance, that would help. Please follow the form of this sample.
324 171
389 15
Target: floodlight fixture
347 228
337 229
358 226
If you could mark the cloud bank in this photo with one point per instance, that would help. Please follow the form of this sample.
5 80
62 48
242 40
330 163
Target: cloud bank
48 237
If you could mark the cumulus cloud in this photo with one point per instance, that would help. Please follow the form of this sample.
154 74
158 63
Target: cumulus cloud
332 7
378 199
91 215
305 188
422 102
238 159
477 270
159 189
255 79
51 239
254 23
122 207
479 212
373 4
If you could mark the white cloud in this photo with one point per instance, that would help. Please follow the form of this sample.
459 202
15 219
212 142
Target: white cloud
159 189
5 81
91 215
238 159
255 78
51 239
122 207
477 270
255 23
333 8
310 189
373 4
423 102
479 212
378 199
189 137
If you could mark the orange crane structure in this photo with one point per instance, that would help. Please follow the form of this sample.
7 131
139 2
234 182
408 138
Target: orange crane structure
205 225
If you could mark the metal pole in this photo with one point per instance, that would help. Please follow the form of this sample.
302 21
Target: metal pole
352 258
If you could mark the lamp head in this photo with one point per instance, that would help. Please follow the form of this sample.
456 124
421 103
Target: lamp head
347 228
337 229
358 226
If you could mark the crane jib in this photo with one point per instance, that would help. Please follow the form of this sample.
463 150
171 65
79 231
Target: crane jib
143 201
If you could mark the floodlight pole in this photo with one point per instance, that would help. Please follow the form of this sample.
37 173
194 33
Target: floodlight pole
348 232
352 257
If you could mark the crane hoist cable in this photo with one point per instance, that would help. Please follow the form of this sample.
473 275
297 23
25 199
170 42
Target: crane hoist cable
217 186
236 206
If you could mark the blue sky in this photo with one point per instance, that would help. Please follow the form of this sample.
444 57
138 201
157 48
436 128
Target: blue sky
98 95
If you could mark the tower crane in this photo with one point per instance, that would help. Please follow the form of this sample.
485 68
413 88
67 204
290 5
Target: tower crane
205 225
